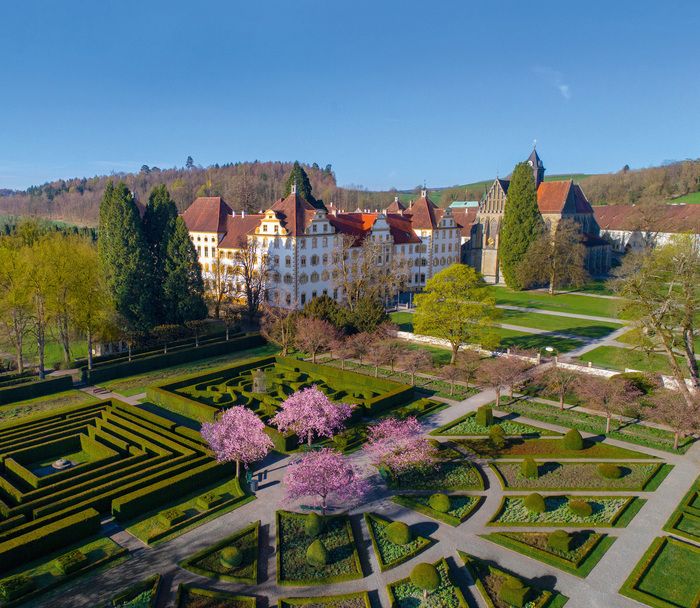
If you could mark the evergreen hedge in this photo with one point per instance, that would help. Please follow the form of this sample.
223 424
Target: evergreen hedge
34 389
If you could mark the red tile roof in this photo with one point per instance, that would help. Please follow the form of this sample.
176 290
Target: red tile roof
359 225
295 213
237 228
660 218
396 206
465 219
552 196
207 214
423 214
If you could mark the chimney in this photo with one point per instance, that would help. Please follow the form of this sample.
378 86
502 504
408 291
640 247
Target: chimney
424 193
396 198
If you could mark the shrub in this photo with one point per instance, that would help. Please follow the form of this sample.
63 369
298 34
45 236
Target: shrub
316 554
497 436
580 508
70 562
535 503
426 577
398 533
573 440
559 540
609 470
208 500
16 586
439 503
529 469
644 382
313 526
484 416
513 592
170 517
231 557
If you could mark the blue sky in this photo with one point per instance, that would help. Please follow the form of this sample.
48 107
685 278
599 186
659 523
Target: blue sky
390 93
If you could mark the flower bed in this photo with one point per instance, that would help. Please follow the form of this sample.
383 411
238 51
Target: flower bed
468 426
390 554
607 511
452 475
348 600
208 561
404 594
140 595
461 507
292 543
588 548
577 476
189 596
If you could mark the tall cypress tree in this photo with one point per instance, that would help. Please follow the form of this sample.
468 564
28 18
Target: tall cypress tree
299 177
124 255
522 223
183 287
158 228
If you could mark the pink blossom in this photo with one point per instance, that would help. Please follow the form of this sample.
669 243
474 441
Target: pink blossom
398 444
237 435
309 412
324 473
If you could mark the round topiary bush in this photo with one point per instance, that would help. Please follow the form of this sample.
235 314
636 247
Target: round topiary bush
426 577
439 503
316 554
313 526
580 508
398 533
535 503
609 470
231 557
528 468
573 440
559 540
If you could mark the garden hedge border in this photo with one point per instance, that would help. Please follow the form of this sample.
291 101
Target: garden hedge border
34 389
226 595
393 602
683 509
289 602
441 431
384 566
151 583
189 562
406 500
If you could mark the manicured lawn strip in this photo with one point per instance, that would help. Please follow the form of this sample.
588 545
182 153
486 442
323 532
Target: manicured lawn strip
100 553
390 554
404 594
593 423
667 576
653 484
45 404
152 531
556 323
461 507
444 476
467 426
292 542
133 385
594 548
614 357
189 596
685 519
489 578
565 303
139 595
608 511
207 561
555 476
550 448
347 600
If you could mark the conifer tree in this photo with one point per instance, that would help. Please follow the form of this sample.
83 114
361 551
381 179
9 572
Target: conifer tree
522 224
124 256
183 286
299 177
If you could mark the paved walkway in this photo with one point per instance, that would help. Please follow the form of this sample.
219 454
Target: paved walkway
598 590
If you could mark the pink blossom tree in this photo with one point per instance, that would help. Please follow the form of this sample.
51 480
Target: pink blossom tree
398 445
323 474
309 413
237 435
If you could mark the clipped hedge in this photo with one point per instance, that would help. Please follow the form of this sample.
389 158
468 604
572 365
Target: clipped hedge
34 389
573 440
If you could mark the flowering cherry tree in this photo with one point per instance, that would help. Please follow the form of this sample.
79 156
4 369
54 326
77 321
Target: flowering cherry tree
237 436
309 412
322 474
398 445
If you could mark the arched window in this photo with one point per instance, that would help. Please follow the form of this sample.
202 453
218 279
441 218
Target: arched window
314 277
303 278
288 279
314 260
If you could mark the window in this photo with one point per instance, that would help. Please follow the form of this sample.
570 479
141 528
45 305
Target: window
302 243
288 261
325 259
314 241
313 295
314 228
302 260
303 278
335 293
422 278
206 239
288 299
325 275
314 260
303 299
288 279
276 260
206 252
324 242
264 227
325 292
314 277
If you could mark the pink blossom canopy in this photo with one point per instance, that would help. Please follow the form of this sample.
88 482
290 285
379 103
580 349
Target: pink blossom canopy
237 435
324 473
309 413
398 444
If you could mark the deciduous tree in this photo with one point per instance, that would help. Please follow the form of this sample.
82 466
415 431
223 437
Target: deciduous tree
279 327
558 381
398 445
313 335
671 408
611 396
415 360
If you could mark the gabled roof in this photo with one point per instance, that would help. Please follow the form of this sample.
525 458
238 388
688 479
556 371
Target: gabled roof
295 213
207 214
660 218
423 213
504 183
396 206
360 224
582 204
465 219
237 228
553 196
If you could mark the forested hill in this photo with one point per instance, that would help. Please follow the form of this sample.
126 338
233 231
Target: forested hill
255 185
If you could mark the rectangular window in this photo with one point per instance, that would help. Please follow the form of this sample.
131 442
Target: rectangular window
206 252
303 299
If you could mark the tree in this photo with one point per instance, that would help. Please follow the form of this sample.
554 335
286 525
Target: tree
456 307
15 297
167 333
415 360
556 258
469 361
496 374
313 336
393 351
661 291
299 178
279 327
189 163
451 373
522 224
323 474
237 435
39 281
308 413
558 381
670 408
196 326
611 396
323 307
231 316
251 266
220 287
360 344
398 445
183 288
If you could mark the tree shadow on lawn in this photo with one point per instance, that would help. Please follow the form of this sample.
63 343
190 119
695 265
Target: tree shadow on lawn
424 528
548 467
545 582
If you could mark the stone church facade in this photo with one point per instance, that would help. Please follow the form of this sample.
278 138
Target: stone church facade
557 200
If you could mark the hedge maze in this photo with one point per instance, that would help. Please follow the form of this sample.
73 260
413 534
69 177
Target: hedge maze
125 461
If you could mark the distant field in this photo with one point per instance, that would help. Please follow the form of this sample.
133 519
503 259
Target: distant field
690 199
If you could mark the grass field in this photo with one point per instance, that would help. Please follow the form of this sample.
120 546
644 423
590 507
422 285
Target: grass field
566 303
52 354
614 357
569 325
689 199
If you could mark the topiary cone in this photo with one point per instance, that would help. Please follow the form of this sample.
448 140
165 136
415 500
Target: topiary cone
316 554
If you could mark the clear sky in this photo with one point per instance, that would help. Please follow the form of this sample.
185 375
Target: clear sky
391 93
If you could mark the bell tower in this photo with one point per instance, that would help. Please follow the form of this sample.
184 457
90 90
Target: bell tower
537 167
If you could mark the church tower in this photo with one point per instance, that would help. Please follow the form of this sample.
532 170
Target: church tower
537 167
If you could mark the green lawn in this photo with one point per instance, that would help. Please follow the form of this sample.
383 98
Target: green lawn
46 403
569 325
614 357
566 303
689 199
53 353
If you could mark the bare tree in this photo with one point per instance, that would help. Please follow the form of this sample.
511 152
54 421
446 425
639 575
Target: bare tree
415 360
611 396
343 349
496 374
558 381
231 316
196 327
251 267
469 361
451 373
360 345
313 335
671 408
219 285
393 350
279 327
